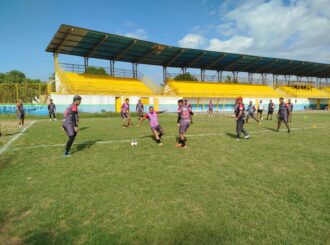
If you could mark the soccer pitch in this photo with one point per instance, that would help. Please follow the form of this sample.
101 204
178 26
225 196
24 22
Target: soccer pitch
271 189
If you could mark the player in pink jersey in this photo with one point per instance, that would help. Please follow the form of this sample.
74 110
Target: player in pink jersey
184 120
125 113
190 107
210 109
156 129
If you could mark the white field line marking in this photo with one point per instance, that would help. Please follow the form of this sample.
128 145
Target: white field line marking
148 138
6 146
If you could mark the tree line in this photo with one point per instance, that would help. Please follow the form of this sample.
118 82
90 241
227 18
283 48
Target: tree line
14 86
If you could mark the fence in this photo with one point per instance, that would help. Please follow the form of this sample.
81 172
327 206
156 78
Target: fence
27 92
80 69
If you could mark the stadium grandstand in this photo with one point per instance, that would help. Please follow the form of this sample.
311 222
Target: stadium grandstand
307 83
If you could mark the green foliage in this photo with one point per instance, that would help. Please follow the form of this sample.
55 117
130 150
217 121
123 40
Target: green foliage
15 76
96 70
185 77
15 85
228 79
217 191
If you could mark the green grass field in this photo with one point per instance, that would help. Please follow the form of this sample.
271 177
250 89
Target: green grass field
271 189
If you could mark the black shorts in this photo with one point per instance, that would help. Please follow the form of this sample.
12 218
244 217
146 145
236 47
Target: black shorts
270 112
69 129
157 128
260 111
283 118
124 115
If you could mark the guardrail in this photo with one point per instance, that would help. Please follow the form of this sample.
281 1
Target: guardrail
80 69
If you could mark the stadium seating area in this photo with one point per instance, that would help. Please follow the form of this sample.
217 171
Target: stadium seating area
327 89
73 83
223 90
304 92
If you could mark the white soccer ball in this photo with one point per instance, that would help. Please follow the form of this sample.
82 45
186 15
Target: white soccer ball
134 143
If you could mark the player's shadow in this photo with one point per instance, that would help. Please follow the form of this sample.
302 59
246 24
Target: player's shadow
178 138
83 128
10 134
271 129
231 135
86 144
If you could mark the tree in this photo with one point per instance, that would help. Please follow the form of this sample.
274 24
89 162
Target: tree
228 79
51 77
15 85
96 70
13 76
185 77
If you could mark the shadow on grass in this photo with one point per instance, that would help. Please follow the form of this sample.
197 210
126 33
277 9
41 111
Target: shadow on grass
271 129
197 234
83 128
10 134
84 145
55 236
231 135
4 162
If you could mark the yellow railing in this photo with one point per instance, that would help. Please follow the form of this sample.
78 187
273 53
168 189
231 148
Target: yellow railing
305 93
218 90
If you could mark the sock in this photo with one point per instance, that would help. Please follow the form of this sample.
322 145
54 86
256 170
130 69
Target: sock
69 144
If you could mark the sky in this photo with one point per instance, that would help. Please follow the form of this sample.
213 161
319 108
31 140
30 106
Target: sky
295 29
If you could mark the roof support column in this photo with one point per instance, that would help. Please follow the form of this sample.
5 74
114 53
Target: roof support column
275 80
235 76
318 82
264 78
134 68
250 77
112 68
219 76
202 75
55 62
289 81
86 64
164 74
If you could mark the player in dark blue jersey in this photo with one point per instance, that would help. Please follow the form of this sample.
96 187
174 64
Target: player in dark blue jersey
70 123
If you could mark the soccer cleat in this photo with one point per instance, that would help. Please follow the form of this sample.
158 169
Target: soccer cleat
178 145
50 120
247 137
67 155
55 119
160 143
238 138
